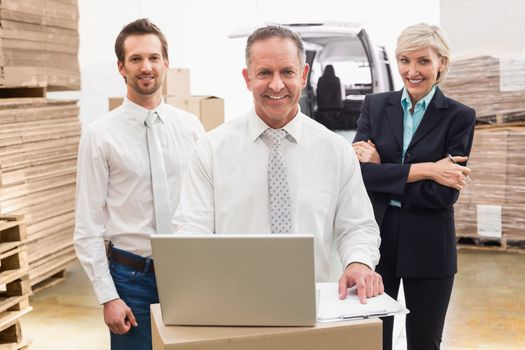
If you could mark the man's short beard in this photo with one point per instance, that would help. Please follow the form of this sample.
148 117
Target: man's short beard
146 92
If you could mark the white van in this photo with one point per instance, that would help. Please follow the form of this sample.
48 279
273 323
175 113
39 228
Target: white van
344 67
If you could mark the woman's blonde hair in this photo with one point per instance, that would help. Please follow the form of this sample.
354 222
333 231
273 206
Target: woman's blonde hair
422 35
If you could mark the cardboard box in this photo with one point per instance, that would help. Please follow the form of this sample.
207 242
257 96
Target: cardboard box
209 109
358 335
114 102
177 83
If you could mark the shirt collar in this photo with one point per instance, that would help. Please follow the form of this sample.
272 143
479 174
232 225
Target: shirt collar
406 101
139 113
294 127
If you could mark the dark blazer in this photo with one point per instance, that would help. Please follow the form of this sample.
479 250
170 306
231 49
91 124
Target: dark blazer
427 242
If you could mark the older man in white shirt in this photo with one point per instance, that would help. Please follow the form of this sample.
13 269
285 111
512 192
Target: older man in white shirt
277 170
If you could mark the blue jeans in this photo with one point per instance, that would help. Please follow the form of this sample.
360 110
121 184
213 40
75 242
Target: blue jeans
138 289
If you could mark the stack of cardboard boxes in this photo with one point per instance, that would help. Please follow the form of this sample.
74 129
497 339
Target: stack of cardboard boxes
492 206
492 86
38 154
177 92
39 44
39 137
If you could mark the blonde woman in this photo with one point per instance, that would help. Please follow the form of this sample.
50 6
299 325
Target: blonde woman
413 145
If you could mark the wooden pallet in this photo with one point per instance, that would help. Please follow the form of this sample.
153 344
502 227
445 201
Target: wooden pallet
22 92
49 282
14 281
23 344
503 244
51 265
11 331
502 117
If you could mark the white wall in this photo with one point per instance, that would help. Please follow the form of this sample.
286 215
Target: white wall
475 27
197 35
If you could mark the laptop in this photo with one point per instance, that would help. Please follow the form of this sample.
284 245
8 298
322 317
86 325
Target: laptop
235 280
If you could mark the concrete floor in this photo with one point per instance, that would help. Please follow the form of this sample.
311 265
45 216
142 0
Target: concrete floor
487 309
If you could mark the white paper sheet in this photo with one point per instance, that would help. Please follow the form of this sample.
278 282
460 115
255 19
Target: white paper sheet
331 309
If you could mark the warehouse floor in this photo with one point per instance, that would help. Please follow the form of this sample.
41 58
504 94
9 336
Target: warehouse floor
487 309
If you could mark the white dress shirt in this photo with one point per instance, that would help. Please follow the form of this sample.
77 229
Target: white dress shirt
226 189
114 199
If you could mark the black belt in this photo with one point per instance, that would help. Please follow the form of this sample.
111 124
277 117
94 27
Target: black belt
135 264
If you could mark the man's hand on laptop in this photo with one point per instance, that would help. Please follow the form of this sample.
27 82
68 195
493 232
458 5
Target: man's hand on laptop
368 283
118 316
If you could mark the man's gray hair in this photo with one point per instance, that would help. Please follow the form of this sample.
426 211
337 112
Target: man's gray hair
274 31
